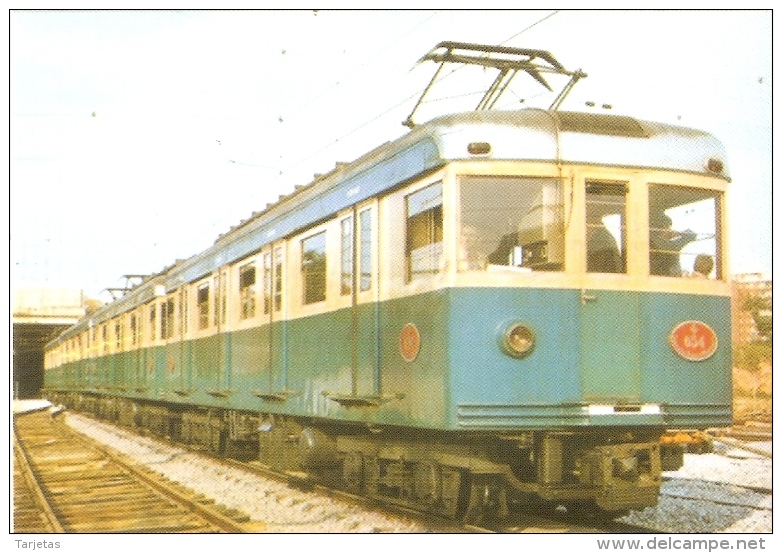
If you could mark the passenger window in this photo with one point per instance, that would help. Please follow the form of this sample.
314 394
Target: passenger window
278 279
365 253
247 291
346 253
511 222
313 268
117 336
152 322
133 330
103 347
267 283
203 305
683 232
606 228
167 319
219 303
424 245
184 308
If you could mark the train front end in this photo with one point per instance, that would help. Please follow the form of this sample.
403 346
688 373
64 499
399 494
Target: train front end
590 309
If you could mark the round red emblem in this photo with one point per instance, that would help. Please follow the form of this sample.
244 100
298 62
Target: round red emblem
693 340
409 342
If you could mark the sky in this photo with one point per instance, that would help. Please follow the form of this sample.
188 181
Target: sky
137 137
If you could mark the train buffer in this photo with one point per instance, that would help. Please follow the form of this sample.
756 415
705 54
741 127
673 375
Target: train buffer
691 441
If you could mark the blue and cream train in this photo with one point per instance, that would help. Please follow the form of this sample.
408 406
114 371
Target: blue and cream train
500 308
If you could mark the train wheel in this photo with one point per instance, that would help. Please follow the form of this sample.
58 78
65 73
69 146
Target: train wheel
488 500
353 472
427 483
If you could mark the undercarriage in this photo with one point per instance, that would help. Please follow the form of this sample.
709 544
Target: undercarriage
459 475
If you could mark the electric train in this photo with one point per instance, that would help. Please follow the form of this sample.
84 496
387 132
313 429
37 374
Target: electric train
500 309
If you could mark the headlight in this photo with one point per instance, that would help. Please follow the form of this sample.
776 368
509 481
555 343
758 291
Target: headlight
517 340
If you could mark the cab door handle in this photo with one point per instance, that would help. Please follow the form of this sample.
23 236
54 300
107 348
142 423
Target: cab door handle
586 297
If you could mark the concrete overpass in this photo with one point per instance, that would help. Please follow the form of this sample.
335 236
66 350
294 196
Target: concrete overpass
39 314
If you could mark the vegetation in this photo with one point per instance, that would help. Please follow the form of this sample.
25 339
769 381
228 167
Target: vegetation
751 356
760 308
752 395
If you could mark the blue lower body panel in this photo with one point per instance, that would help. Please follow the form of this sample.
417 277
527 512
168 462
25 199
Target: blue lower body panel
603 363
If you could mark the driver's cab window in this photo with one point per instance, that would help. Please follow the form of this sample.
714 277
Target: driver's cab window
606 227
684 232
511 223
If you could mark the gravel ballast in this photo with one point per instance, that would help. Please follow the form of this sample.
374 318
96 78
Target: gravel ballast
726 491
275 506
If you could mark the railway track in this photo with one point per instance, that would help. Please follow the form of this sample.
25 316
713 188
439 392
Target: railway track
65 483
285 518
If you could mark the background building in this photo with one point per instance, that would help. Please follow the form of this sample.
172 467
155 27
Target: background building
39 315
751 315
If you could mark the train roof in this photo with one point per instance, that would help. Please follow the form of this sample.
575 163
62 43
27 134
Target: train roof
529 135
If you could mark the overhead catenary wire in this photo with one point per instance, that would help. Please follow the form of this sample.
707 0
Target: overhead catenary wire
363 64
301 161
287 169
375 118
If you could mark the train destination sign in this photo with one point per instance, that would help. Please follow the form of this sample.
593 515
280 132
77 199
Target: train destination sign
693 340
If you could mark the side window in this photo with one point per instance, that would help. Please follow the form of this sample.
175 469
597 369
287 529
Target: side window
606 227
511 222
140 325
268 284
247 291
684 232
105 339
167 319
346 253
220 299
365 252
118 335
165 327
278 278
133 330
313 268
184 310
203 305
152 321
424 232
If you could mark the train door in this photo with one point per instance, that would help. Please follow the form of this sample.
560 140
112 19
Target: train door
358 319
610 311
150 358
221 293
274 341
185 383
364 303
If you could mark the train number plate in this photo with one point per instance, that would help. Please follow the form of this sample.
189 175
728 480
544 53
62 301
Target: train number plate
409 342
693 340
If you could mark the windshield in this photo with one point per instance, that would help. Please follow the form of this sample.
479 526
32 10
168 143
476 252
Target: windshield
683 232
